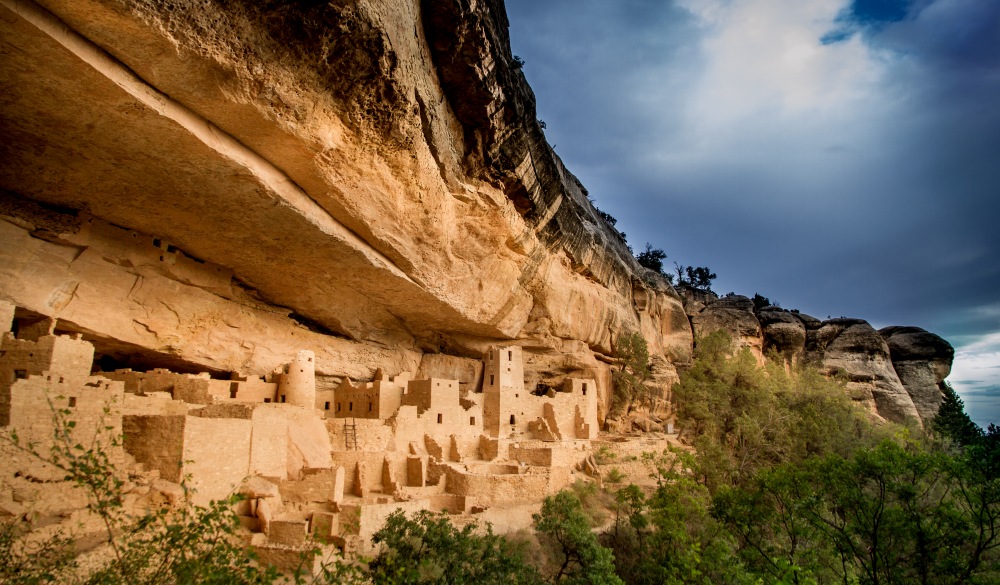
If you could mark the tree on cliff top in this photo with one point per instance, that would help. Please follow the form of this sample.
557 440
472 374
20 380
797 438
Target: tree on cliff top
652 258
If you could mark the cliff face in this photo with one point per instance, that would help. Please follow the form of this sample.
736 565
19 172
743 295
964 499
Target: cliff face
897 372
366 179
216 185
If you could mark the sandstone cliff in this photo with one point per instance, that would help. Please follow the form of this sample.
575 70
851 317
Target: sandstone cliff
896 372
216 185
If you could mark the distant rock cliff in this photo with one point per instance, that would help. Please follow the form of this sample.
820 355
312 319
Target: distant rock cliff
216 185
897 372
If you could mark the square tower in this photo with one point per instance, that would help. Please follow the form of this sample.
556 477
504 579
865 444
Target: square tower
503 386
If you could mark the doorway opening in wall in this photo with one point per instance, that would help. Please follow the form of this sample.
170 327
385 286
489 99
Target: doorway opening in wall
512 419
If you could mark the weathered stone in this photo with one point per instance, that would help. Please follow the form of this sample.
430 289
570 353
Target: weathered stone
735 315
783 331
852 347
922 361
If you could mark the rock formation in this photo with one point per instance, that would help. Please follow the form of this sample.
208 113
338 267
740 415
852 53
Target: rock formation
209 186
896 372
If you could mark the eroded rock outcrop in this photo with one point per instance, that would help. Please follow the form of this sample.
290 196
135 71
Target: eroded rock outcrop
922 361
369 179
896 372
213 186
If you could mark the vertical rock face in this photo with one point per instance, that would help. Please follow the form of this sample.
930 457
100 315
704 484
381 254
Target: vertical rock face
368 178
853 348
735 315
784 331
922 361
896 372
210 185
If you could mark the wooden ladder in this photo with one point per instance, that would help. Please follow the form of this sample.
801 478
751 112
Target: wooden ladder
350 435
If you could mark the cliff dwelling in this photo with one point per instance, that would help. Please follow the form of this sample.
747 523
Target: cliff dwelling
327 465
326 259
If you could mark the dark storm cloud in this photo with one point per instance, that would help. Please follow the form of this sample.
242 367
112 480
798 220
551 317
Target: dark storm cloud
840 157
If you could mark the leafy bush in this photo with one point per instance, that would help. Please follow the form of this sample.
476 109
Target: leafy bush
427 548
565 534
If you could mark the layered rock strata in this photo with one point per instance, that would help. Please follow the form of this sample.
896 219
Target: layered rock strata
216 185
897 371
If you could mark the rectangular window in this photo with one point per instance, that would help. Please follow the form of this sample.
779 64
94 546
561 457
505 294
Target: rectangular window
267 401
326 406
72 401
350 406
510 355
282 397
491 379
20 374
338 407
472 421
584 388
369 407
440 418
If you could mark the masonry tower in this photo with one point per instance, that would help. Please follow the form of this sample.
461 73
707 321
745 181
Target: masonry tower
298 383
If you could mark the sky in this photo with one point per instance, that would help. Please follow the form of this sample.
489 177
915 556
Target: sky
841 157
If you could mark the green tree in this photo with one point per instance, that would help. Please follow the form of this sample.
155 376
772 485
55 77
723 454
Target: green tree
760 301
630 379
890 513
652 258
700 277
427 548
952 422
743 417
564 531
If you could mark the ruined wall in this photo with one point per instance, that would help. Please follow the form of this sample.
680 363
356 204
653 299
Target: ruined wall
217 455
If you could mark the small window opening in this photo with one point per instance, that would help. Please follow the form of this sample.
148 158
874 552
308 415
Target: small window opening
61 379
369 407
472 421
510 355
338 407
350 406
234 387
440 418
283 397
512 419
584 388
72 401
171 249
156 244
20 374
326 406
491 379
267 401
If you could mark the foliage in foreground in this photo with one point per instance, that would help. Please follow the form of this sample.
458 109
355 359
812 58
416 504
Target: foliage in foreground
185 545
427 548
